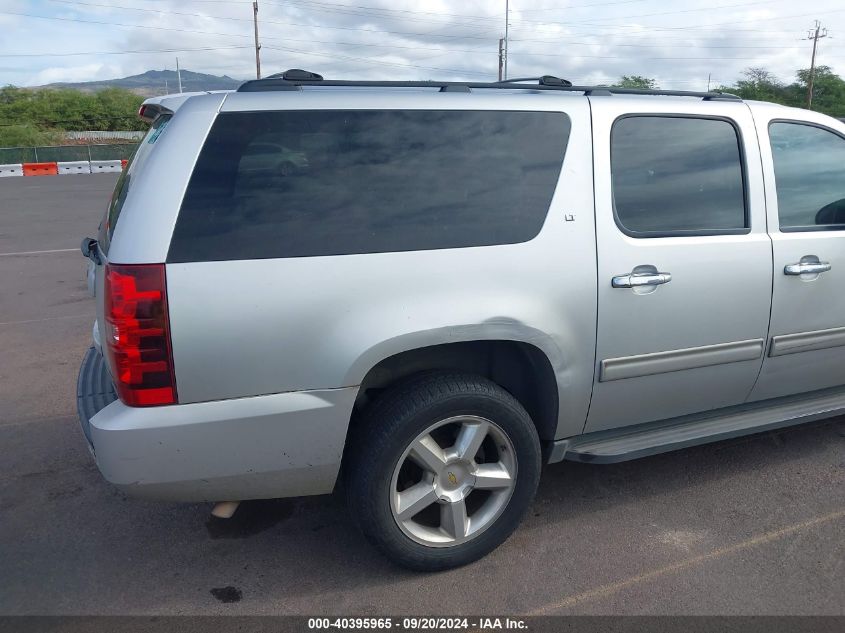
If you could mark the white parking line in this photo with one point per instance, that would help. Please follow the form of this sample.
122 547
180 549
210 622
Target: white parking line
58 250
605 591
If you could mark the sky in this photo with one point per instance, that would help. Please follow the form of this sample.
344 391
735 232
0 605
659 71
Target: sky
679 43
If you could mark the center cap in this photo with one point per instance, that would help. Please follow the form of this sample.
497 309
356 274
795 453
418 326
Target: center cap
455 480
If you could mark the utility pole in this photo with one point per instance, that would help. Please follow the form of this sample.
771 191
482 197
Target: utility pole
257 45
501 57
814 35
179 75
505 50
709 76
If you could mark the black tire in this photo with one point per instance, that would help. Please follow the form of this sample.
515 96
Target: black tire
388 427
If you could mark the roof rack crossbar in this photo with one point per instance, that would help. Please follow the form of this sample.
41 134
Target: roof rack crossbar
280 82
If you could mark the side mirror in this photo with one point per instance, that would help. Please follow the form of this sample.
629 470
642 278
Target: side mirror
90 248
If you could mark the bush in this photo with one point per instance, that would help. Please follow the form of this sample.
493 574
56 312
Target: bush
69 110
28 135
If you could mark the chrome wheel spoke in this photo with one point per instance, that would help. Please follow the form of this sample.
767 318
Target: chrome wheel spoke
453 519
414 500
427 454
449 476
492 477
470 437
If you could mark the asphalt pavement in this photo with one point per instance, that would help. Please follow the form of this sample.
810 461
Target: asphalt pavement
748 526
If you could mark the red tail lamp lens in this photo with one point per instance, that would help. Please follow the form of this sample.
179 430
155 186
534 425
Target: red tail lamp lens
138 334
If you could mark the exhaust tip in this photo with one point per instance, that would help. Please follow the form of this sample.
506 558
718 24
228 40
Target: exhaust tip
225 509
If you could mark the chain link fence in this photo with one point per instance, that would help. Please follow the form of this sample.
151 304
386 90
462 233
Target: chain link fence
60 153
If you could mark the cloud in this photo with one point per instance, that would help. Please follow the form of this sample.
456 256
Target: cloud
587 41
85 72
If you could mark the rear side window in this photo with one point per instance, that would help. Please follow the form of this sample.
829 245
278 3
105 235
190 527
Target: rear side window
810 177
677 176
124 183
310 183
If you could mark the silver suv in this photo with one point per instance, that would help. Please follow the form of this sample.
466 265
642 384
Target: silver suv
429 290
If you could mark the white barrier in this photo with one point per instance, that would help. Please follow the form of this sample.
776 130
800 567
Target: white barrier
15 169
69 167
74 167
105 166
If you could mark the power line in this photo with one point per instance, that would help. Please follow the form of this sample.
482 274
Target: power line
717 24
605 27
593 22
130 52
447 51
482 51
685 40
373 62
289 3
309 4
582 6
164 28
697 10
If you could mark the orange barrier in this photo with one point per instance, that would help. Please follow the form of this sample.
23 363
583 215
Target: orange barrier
123 162
40 169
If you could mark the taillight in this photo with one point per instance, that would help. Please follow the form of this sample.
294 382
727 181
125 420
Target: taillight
138 334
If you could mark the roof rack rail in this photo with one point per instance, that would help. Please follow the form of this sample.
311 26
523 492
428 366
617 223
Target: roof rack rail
545 80
294 79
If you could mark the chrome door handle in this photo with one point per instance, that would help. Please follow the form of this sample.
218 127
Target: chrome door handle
639 280
807 268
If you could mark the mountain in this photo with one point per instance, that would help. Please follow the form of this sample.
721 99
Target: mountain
157 82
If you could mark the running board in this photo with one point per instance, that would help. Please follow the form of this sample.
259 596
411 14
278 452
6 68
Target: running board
619 445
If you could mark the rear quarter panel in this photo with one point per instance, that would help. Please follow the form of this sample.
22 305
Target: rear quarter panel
243 328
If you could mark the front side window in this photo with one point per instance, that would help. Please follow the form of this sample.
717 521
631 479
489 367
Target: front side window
677 176
809 175
329 182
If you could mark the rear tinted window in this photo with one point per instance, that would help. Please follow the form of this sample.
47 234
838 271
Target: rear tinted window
308 183
810 177
677 175
124 182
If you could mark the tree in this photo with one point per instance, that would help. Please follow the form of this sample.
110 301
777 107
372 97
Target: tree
828 90
637 81
760 85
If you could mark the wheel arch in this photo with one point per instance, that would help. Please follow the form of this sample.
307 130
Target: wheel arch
523 369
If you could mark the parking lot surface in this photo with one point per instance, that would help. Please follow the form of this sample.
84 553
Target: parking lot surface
749 526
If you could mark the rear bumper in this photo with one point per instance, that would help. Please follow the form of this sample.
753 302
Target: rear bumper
280 445
94 389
